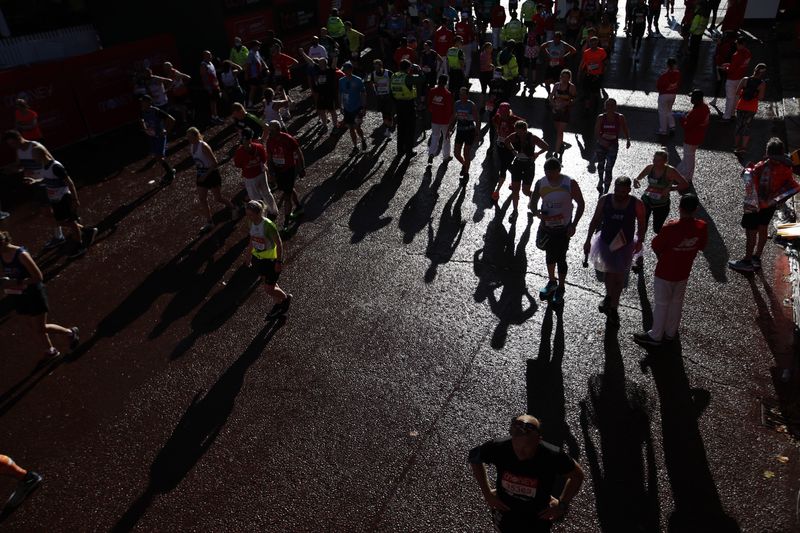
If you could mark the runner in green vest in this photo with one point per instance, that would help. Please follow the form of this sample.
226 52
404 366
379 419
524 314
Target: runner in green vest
455 66
265 255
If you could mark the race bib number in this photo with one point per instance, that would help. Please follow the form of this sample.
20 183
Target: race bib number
278 160
555 62
654 193
593 67
519 486
321 80
259 243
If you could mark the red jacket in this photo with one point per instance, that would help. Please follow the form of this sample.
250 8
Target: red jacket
779 179
739 62
677 245
695 124
669 82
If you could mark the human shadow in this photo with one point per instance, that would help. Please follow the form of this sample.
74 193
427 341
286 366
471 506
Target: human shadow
544 380
487 180
218 309
197 430
353 172
444 243
716 251
197 283
644 301
624 459
501 265
418 211
368 213
697 504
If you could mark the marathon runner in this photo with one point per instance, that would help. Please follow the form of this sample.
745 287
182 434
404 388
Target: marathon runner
607 129
353 96
156 123
558 193
440 106
556 52
561 98
523 144
285 164
251 157
610 242
380 81
63 198
265 255
30 157
503 126
662 179
22 283
323 86
638 23
208 75
593 64
208 177
466 123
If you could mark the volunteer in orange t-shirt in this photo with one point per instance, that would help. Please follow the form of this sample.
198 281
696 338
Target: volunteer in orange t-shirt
26 121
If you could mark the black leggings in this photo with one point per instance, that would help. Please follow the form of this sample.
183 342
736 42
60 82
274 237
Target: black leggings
660 214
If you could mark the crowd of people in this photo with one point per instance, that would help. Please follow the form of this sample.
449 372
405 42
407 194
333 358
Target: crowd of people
418 76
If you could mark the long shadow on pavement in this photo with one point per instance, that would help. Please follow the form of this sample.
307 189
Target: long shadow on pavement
499 264
697 504
171 277
545 384
444 243
418 211
197 429
624 460
368 213
644 301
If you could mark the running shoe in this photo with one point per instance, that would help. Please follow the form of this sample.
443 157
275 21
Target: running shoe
4 215
447 159
24 487
513 216
411 154
558 296
637 265
296 213
387 133
363 144
77 252
603 307
742 265
55 242
430 160
207 227
756 262
592 168
644 339
167 178
88 236
75 340
52 354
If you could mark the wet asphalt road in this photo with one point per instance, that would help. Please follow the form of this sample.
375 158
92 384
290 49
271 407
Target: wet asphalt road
415 334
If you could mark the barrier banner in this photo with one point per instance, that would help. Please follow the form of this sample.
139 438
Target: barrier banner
254 25
103 80
48 91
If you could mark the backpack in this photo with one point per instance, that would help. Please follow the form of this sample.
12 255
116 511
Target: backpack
750 90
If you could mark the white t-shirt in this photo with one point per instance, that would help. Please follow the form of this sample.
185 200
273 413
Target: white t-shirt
317 52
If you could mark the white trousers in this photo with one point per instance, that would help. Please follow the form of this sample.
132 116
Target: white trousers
668 297
665 118
437 131
730 97
258 189
686 166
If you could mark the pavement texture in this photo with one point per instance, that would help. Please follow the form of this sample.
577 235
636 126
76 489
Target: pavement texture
415 333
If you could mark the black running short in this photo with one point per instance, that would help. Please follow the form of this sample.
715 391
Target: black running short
32 301
762 217
285 179
465 136
66 209
211 180
266 269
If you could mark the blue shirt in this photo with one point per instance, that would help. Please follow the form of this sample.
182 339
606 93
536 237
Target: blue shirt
351 88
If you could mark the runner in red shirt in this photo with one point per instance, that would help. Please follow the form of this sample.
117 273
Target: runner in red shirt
281 66
737 69
667 85
676 246
772 182
694 125
26 121
251 157
440 106
285 163
498 20
404 52
443 39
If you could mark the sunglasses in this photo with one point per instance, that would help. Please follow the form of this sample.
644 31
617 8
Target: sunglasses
520 427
